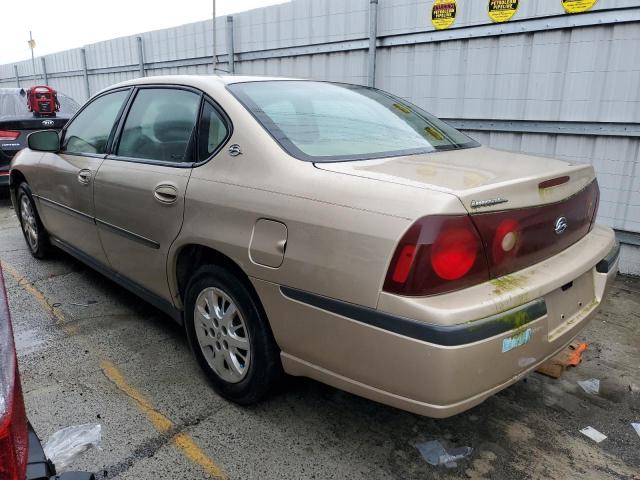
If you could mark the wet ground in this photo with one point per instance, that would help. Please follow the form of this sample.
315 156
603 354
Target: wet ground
90 352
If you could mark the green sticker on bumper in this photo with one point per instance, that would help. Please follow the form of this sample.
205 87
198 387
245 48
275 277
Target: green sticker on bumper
516 341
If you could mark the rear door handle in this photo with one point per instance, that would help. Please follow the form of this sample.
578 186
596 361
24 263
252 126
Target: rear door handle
166 194
84 176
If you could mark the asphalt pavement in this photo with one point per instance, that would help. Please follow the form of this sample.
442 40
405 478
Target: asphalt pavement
90 352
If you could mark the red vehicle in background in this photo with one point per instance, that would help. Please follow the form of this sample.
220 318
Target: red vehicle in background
21 454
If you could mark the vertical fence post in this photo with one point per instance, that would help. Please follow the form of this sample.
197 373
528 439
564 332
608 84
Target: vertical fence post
44 71
373 37
85 73
15 70
213 38
140 55
230 50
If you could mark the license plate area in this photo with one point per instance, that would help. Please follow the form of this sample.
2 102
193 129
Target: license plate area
566 304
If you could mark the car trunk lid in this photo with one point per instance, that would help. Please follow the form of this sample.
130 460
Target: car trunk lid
525 208
476 175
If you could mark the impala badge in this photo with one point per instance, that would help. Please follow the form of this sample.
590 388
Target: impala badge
561 225
47 123
487 203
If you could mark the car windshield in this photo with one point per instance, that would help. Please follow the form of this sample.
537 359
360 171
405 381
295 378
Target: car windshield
320 121
13 103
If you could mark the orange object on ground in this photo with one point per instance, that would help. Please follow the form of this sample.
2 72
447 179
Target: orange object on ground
569 357
574 356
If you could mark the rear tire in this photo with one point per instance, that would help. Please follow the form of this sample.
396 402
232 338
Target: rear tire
32 228
230 336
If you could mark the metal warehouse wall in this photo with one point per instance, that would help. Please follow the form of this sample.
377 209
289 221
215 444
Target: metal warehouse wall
545 82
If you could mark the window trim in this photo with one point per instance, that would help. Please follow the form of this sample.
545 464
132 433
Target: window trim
149 161
204 96
63 132
293 151
228 124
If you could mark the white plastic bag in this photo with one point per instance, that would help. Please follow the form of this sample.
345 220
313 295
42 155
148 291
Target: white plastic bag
435 454
591 386
65 445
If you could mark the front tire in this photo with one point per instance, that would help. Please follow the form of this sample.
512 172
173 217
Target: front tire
32 228
230 336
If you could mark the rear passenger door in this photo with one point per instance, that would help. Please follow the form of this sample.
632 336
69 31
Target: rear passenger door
140 188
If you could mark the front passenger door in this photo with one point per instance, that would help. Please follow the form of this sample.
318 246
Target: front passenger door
139 191
65 185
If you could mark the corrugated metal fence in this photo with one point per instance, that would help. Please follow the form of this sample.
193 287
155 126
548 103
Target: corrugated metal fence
545 82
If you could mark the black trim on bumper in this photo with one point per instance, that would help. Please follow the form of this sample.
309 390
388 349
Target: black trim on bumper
38 467
449 335
604 265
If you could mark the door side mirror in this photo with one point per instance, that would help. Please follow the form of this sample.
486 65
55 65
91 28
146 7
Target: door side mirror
44 141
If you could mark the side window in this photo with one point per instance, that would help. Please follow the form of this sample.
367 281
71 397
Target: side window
213 131
160 125
90 130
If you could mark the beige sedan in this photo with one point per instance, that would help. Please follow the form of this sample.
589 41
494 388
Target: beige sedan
326 230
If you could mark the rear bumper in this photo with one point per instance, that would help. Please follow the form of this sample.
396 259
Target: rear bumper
435 377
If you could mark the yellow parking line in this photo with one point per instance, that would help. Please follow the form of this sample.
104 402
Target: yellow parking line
161 423
42 300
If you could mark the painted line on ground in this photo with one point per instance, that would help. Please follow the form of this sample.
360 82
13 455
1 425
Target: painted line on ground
161 423
42 300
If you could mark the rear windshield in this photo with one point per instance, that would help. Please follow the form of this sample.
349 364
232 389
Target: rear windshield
13 103
320 121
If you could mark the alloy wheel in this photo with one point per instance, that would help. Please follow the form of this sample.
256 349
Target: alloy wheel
222 334
29 223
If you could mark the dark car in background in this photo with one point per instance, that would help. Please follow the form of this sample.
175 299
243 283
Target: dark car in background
17 122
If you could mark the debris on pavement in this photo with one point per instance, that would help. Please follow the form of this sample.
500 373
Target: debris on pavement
636 427
65 445
593 434
435 454
569 357
591 386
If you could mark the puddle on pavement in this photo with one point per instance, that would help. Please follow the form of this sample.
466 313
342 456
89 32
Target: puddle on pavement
30 341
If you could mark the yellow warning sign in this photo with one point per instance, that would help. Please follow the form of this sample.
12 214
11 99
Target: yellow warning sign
502 10
577 6
443 13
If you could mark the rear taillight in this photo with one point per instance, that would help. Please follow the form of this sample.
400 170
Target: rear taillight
440 254
516 239
13 421
9 134
437 254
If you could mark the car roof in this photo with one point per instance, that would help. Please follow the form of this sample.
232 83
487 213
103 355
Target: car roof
198 81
